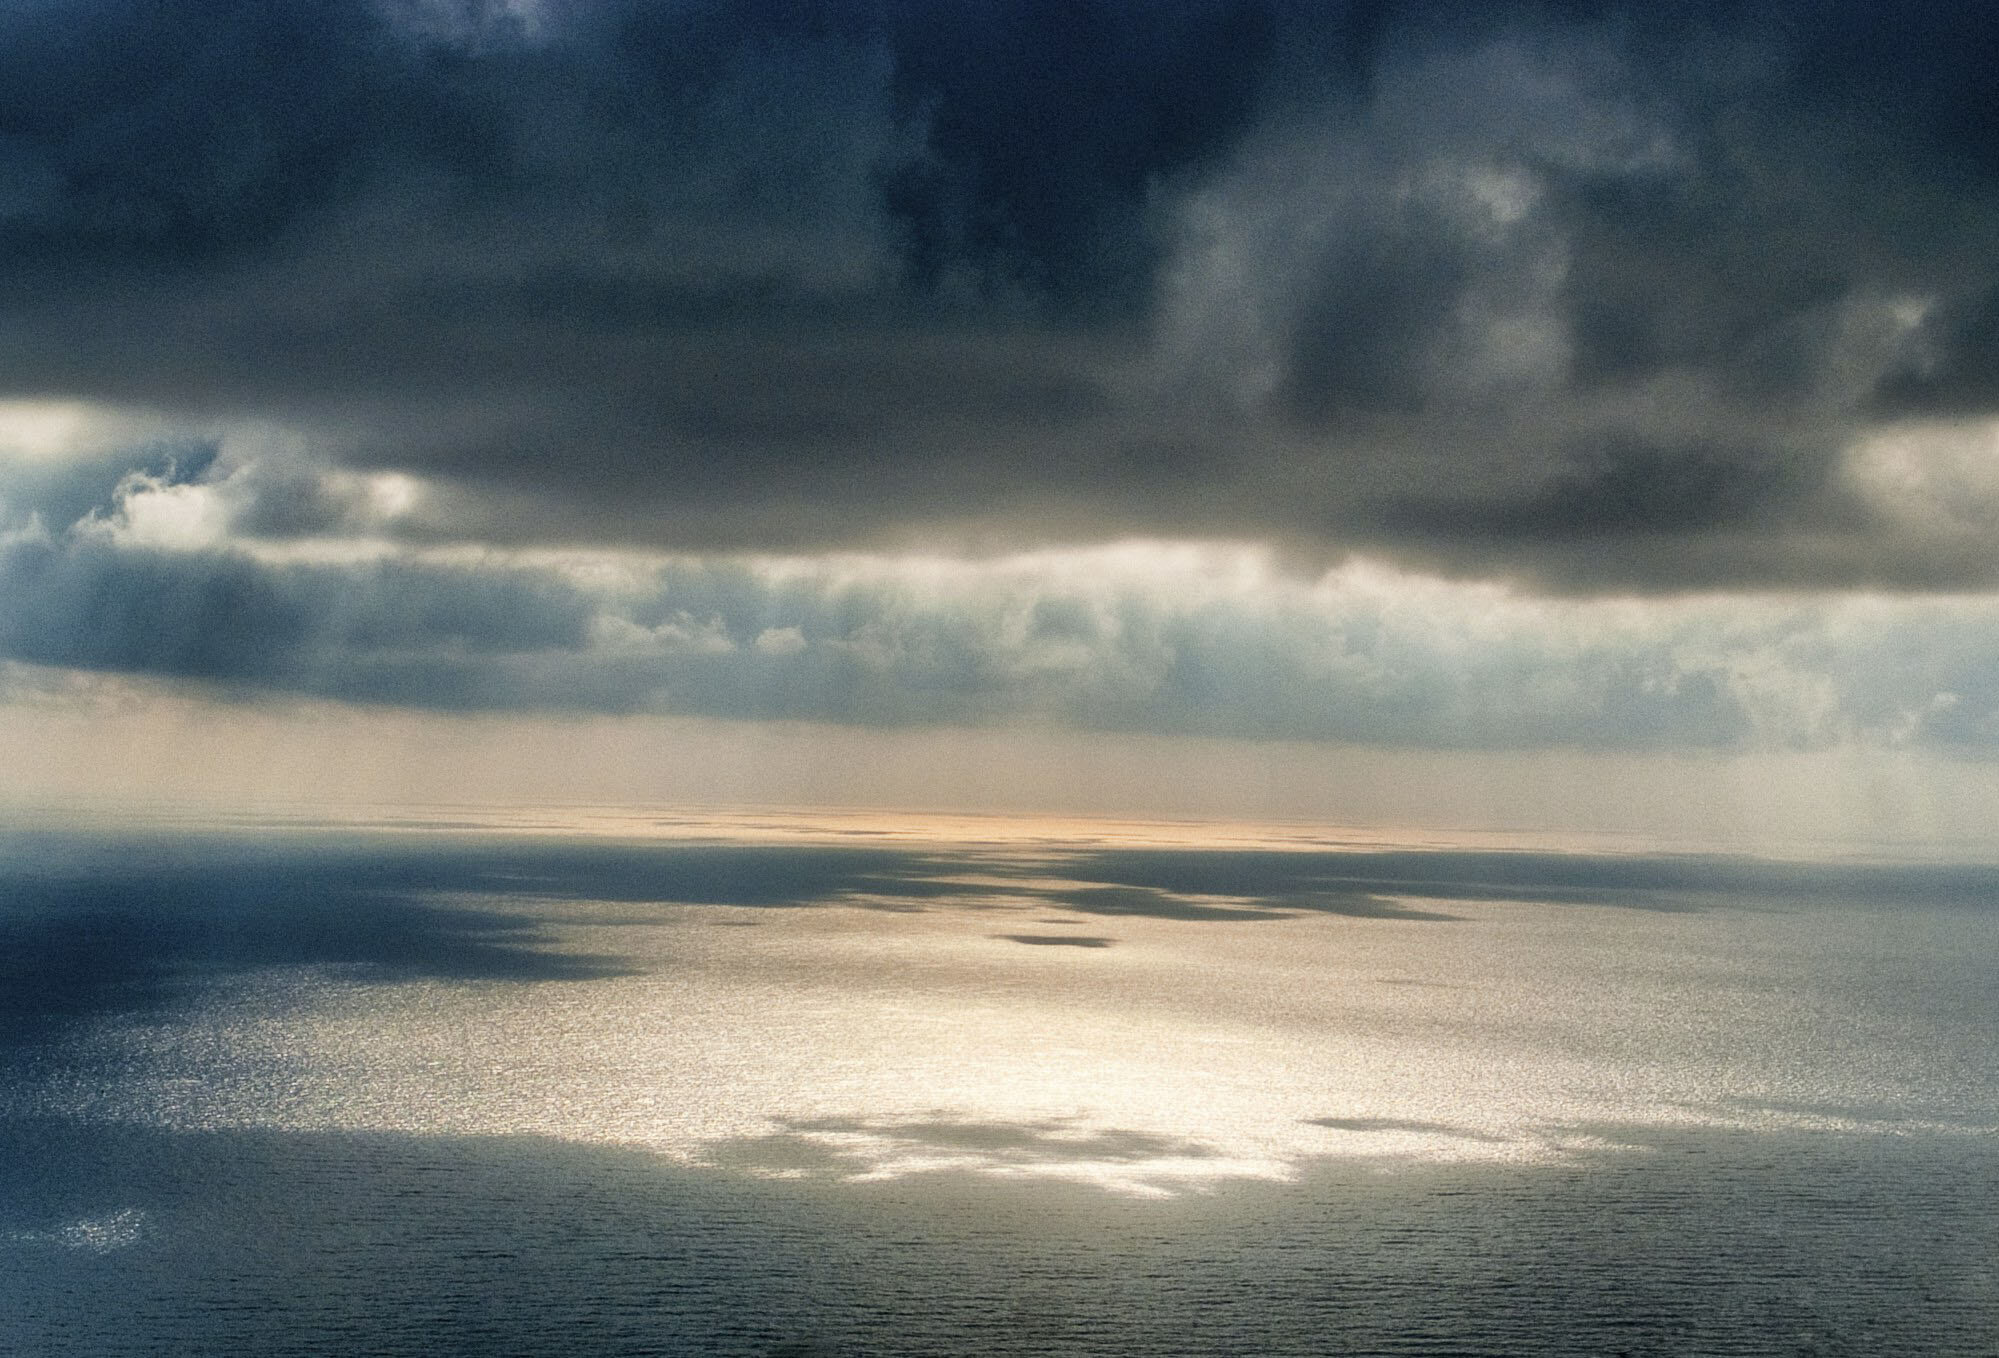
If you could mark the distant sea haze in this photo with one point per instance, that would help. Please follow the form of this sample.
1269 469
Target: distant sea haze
527 1082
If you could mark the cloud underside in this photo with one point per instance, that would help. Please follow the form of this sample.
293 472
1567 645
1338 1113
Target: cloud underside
1154 639
1330 372
1591 299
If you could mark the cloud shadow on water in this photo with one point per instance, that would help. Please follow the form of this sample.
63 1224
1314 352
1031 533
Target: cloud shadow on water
848 1148
1379 883
134 935
1419 1126
94 924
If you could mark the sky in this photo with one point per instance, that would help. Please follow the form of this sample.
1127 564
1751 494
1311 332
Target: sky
1559 413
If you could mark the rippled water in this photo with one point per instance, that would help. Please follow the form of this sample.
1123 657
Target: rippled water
806 1085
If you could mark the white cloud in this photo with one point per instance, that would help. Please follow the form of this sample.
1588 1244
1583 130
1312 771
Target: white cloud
1939 478
41 429
780 641
53 430
153 512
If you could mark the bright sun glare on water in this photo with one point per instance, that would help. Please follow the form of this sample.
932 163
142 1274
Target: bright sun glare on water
1148 1009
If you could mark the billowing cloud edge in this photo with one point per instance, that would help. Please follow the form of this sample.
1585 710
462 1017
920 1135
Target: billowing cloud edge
1594 299
163 576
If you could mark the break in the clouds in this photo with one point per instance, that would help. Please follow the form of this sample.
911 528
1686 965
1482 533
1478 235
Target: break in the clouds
1590 297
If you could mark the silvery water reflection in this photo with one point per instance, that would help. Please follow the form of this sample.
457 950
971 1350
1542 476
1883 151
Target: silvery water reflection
814 1085
847 1001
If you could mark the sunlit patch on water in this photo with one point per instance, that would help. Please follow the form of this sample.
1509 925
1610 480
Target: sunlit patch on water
91 1235
1111 1009
1142 1164
1117 1092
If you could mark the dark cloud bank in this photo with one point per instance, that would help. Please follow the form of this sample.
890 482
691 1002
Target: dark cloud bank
1592 297
1593 301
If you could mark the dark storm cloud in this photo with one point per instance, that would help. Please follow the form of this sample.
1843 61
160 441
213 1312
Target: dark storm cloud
382 632
1595 297
1050 123
1953 363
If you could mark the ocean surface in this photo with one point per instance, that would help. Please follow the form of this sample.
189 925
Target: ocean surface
761 1084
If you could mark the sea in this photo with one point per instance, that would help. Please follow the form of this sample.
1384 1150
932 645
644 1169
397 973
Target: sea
622 1081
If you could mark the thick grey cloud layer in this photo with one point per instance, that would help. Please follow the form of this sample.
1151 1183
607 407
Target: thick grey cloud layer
1141 639
1576 294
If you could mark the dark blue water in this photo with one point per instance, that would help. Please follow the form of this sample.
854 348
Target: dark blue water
143 1211
369 1244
